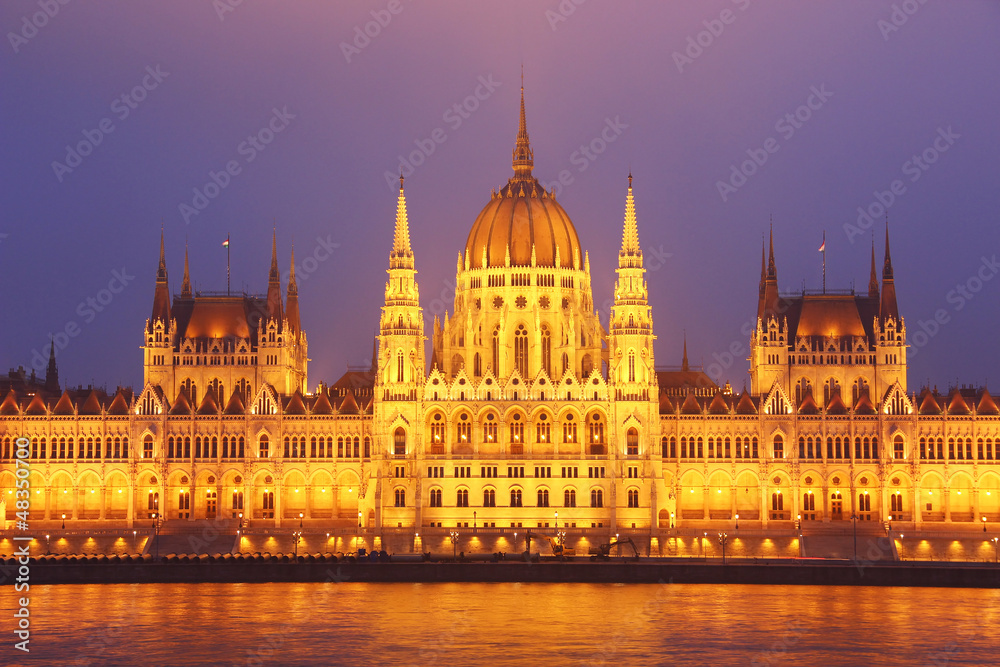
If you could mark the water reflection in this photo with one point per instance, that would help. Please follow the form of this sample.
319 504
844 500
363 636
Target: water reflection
469 624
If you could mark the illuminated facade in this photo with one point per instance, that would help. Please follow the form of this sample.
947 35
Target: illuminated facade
528 407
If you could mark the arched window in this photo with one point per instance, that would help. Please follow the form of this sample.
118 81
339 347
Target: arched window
547 350
569 498
631 365
462 498
477 365
521 350
515 498
368 447
489 498
896 503
399 366
435 497
779 447
400 497
543 497
588 365
495 347
777 502
543 429
399 442
897 448
516 433
489 429
597 498
147 447
633 497
632 442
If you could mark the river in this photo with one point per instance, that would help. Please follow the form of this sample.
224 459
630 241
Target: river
510 624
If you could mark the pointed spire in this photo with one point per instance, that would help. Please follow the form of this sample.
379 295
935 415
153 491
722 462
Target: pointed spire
630 254
888 307
161 272
401 256
274 275
161 293
52 373
772 272
293 288
873 279
684 361
274 306
186 282
524 157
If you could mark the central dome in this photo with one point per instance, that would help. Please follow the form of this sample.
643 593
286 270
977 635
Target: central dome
522 217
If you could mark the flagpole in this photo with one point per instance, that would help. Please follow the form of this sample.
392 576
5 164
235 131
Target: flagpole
824 261
227 264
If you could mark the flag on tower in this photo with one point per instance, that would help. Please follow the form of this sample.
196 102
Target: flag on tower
821 248
225 244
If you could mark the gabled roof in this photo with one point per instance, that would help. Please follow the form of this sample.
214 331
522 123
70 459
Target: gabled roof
718 406
322 405
666 406
929 406
808 405
209 406
348 406
295 405
836 405
957 404
987 406
9 405
119 406
36 407
65 405
746 406
91 406
235 405
181 406
691 406
864 405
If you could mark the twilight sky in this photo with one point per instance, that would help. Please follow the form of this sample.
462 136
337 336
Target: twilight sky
683 93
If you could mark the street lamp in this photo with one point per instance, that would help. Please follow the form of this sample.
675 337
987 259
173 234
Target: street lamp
474 514
64 522
984 523
888 525
557 519
515 541
737 522
454 544
996 550
133 539
901 536
671 520
723 538
46 545
156 531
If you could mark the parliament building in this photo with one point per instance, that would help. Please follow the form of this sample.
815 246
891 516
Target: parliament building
530 411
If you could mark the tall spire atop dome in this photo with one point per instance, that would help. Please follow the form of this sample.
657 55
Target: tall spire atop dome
887 305
524 157
630 253
292 299
274 306
274 275
161 272
401 255
186 282
161 294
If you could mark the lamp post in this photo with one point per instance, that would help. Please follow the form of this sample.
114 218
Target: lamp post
888 525
156 532
901 536
737 522
854 522
671 521
474 513
515 541
46 545
64 522
298 535
723 538
557 521
454 545
984 523
133 540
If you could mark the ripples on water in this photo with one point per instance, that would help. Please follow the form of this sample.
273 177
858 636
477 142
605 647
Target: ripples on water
509 624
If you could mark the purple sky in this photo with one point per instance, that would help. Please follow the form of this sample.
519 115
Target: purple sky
681 127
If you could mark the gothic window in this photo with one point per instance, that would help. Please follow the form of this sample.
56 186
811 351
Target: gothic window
569 498
597 498
521 350
489 429
264 447
588 365
631 365
399 366
633 497
543 497
896 502
477 365
435 497
400 497
464 429
515 498
489 498
547 350
495 347
569 429
632 442
897 447
543 429
399 442
147 447
779 447
462 498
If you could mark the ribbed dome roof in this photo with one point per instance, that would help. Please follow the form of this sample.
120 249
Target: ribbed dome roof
524 215
520 217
